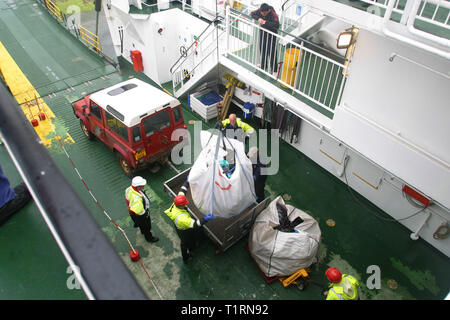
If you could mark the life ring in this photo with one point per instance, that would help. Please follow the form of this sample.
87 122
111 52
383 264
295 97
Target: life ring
183 51
442 232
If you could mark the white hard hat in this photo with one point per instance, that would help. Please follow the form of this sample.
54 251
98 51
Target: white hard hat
138 181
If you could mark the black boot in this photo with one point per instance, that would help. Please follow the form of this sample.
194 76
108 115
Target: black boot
187 257
152 239
22 196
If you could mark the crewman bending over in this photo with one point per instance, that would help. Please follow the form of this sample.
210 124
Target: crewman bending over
235 123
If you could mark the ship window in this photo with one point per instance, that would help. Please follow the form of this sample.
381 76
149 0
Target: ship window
177 114
116 126
137 134
157 122
122 89
95 110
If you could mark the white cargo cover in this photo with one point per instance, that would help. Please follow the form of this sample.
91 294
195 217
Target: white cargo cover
280 253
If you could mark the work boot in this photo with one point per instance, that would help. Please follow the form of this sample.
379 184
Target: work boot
152 239
187 257
21 198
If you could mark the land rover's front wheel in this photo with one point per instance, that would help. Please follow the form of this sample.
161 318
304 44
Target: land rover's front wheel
129 171
86 131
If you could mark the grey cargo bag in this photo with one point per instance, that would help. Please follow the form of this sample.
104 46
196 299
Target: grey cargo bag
281 253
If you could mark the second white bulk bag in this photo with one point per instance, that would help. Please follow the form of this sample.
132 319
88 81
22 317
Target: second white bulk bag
279 253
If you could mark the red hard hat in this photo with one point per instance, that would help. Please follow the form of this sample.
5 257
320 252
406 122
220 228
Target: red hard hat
333 275
181 201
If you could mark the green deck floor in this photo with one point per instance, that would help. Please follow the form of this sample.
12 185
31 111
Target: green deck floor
32 267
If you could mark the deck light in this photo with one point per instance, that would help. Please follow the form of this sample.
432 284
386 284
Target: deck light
344 40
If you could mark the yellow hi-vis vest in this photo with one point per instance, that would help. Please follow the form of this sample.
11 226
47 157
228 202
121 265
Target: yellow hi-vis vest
181 218
245 127
135 201
346 289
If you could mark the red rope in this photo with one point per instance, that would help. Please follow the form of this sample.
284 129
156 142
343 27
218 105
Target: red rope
98 203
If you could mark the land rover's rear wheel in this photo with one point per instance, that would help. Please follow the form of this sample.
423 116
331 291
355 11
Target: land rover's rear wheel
86 131
129 171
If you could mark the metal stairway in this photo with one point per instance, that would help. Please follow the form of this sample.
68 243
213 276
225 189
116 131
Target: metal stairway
198 59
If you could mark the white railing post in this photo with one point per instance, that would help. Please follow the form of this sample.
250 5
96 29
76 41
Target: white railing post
227 26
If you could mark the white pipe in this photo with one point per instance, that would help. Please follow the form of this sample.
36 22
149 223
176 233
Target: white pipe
227 26
407 40
415 235
395 55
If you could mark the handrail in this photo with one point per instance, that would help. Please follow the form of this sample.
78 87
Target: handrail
412 42
183 2
215 21
425 35
320 79
192 69
291 35
282 6
283 19
206 55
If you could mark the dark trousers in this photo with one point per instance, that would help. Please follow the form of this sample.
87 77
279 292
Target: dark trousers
187 241
268 49
259 188
144 223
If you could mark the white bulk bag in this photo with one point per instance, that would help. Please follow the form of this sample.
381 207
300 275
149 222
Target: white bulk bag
212 190
280 253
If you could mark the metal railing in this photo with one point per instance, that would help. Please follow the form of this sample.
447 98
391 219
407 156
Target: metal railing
429 16
199 57
91 39
165 5
289 10
435 13
296 66
72 23
438 34
54 10
440 12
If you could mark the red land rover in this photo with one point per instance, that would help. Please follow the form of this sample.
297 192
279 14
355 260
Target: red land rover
134 119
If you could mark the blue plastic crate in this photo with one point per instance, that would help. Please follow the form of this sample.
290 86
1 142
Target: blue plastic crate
210 98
